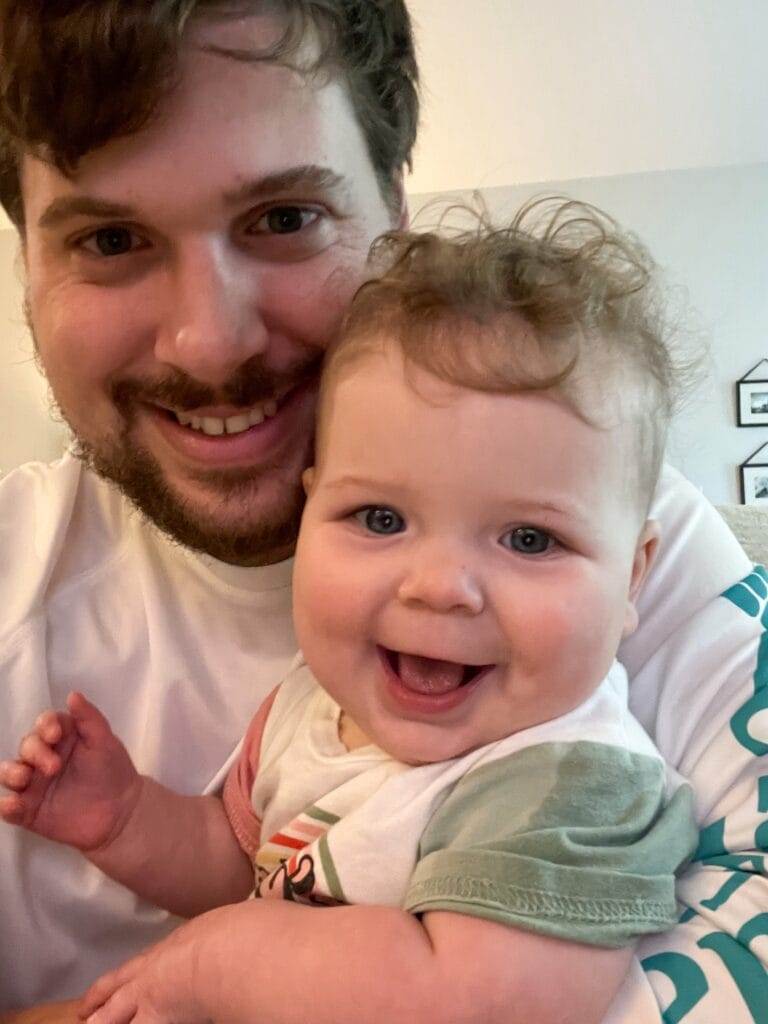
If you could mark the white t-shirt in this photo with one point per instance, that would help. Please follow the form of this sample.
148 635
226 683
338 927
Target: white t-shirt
176 649
180 650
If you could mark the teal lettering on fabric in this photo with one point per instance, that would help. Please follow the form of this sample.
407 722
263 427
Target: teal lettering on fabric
711 841
734 881
761 832
757 703
748 973
688 978
751 594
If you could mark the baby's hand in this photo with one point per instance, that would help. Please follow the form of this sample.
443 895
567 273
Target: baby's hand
73 781
167 982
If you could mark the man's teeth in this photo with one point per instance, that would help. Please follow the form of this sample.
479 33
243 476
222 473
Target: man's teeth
215 427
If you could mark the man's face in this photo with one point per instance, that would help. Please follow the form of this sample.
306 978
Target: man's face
467 561
183 284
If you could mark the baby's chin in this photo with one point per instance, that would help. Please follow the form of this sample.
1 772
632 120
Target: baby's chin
417 751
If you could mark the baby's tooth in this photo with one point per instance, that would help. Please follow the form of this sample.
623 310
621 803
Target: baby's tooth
213 426
237 424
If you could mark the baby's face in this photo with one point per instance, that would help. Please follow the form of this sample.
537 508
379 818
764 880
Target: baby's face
466 562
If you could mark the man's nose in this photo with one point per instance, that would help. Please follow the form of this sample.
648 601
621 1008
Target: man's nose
211 321
442 583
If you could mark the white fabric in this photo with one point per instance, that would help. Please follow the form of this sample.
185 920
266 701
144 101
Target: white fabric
180 652
383 805
176 649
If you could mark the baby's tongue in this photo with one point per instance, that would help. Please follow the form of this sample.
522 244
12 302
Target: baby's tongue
426 675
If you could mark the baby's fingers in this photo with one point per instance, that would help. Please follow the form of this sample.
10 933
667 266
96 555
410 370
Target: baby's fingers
121 1008
15 775
12 809
91 724
110 994
50 726
35 752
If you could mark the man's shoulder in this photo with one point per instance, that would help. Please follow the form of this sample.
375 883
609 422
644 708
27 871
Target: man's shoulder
698 559
59 522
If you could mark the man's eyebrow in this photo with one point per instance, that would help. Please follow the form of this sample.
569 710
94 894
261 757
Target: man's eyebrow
306 176
63 208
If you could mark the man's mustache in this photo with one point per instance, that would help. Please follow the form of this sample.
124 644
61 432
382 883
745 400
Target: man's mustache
251 384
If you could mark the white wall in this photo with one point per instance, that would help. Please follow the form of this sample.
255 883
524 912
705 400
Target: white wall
521 91
27 430
707 228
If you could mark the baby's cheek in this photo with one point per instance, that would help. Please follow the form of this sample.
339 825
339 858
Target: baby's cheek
324 598
586 635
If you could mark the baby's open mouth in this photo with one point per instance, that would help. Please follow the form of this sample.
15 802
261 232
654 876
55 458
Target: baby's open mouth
431 675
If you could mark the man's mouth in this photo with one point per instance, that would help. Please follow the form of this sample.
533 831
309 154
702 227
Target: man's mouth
431 676
227 435
215 426
220 422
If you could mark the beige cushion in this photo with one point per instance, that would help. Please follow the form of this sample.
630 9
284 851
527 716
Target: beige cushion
750 525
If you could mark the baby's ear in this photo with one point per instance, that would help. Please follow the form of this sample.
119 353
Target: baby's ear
307 479
645 553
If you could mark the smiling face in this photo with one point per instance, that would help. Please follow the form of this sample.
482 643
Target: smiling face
183 283
467 561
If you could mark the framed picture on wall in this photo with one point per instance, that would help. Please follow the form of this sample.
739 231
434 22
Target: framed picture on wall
752 397
753 478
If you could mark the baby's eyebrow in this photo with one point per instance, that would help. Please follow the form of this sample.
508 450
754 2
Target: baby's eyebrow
351 480
565 509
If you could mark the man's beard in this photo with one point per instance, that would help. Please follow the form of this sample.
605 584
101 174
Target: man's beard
141 480
138 474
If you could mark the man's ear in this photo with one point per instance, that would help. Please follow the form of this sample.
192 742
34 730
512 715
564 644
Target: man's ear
645 553
307 479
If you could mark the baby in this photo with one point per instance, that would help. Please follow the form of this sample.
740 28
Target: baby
450 767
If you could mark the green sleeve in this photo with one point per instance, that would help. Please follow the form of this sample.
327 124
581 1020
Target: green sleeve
573 840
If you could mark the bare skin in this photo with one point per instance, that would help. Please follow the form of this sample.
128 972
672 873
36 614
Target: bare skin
48 1013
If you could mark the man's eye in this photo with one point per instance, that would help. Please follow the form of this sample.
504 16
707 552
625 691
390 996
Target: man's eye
112 241
527 540
380 519
284 220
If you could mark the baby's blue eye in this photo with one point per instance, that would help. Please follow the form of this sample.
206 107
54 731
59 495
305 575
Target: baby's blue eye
527 540
380 519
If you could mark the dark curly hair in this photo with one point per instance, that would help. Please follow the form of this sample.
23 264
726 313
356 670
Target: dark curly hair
75 74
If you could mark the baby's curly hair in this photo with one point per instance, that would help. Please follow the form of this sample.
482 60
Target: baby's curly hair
562 299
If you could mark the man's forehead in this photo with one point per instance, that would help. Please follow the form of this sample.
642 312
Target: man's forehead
231 131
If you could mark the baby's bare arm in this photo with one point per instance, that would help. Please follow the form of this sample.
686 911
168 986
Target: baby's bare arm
178 852
74 782
279 961
537 978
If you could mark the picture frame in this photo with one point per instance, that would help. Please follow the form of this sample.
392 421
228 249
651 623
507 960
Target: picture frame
752 397
753 478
